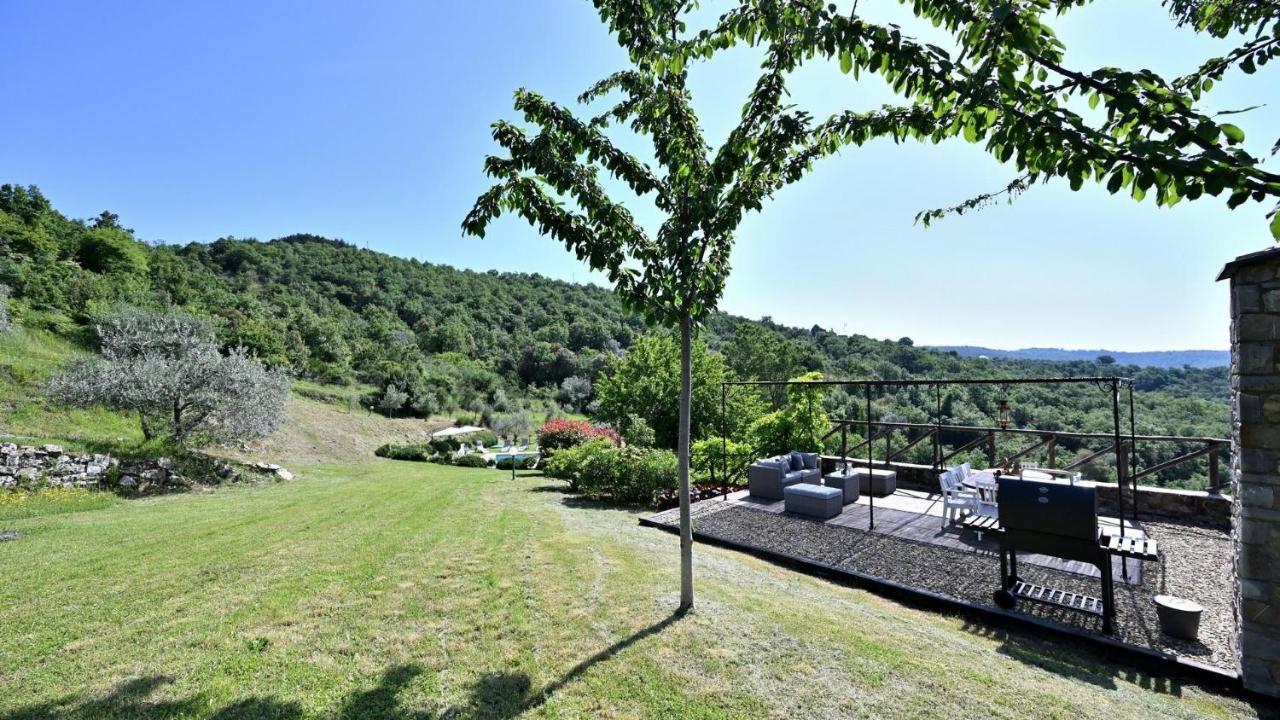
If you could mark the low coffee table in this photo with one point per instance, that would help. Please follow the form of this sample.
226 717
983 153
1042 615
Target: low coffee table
846 481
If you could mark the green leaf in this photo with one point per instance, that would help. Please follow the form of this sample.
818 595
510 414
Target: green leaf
1093 101
1234 134
1275 226
1138 193
1113 185
846 61
1207 131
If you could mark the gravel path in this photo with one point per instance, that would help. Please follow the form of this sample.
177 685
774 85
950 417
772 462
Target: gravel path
1196 564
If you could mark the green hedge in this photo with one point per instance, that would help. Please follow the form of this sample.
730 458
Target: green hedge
709 458
405 452
629 474
472 461
525 464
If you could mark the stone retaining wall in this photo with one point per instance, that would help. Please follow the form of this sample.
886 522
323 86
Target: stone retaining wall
49 466
28 467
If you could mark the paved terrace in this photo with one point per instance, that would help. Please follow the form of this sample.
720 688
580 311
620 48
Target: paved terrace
910 547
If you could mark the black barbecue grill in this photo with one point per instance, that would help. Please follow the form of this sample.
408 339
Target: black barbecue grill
1051 519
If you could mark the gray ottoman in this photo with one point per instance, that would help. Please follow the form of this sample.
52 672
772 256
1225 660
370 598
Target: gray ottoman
846 481
877 482
813 500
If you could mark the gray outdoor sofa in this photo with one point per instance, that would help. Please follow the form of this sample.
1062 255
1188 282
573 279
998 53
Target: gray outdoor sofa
766 478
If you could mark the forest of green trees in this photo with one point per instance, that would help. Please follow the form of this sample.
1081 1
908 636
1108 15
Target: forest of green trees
429 338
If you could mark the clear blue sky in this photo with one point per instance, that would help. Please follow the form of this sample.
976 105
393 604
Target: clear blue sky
369 122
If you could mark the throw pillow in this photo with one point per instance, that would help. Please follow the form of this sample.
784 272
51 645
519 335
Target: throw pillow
797 460
810 461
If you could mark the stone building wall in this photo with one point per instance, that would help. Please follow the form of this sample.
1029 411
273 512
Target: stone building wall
1255 463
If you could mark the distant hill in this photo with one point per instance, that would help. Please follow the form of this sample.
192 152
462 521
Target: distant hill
1155 358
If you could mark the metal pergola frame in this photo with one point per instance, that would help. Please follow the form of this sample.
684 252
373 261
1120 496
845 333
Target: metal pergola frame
1111 383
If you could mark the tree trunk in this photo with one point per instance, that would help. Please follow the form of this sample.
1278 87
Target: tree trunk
686 524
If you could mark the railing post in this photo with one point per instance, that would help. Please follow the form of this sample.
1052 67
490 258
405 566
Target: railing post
1122 463
991 449
1053 452
844 443
937 429
1215 483
937 451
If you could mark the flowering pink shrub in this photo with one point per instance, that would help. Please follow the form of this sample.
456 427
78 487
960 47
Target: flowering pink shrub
559 434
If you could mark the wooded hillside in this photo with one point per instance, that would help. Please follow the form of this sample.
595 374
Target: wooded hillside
435 338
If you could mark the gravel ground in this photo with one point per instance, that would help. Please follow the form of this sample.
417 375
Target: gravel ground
1196 564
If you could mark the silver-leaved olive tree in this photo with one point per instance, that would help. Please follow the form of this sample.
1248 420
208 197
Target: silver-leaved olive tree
167 367
1005 86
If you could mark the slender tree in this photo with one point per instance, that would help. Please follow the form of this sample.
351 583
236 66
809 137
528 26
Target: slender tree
1007 87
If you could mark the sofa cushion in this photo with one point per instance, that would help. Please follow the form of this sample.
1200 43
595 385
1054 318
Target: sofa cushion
810 460
797 460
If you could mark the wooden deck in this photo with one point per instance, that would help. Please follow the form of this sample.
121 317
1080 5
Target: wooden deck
916 515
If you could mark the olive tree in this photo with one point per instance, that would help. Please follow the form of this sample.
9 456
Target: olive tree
513 426
168 368
1006 86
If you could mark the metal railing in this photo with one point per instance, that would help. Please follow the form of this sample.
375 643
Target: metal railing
1047 443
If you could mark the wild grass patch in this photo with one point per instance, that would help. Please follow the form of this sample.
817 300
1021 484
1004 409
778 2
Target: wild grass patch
15 504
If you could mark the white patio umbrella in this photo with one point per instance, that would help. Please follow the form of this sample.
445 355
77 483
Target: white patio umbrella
452 431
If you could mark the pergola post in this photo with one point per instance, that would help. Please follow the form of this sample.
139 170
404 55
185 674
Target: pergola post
1255 464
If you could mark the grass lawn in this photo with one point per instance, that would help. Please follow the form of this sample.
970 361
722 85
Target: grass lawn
403 590
27 358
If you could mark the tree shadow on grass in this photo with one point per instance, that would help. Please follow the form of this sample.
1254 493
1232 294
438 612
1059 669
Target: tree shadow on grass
1086 663
496 695
500 696
1065 659
130 700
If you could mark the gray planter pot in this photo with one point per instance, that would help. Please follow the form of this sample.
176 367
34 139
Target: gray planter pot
1179 617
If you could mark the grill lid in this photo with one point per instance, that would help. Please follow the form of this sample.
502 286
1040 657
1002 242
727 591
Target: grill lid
1048 507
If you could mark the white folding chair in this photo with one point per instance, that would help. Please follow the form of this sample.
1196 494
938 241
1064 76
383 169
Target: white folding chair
955 499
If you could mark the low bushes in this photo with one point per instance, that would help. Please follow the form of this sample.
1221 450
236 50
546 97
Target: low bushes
526 463
429 453
630 474
405 452
444 445
471 461
714 456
